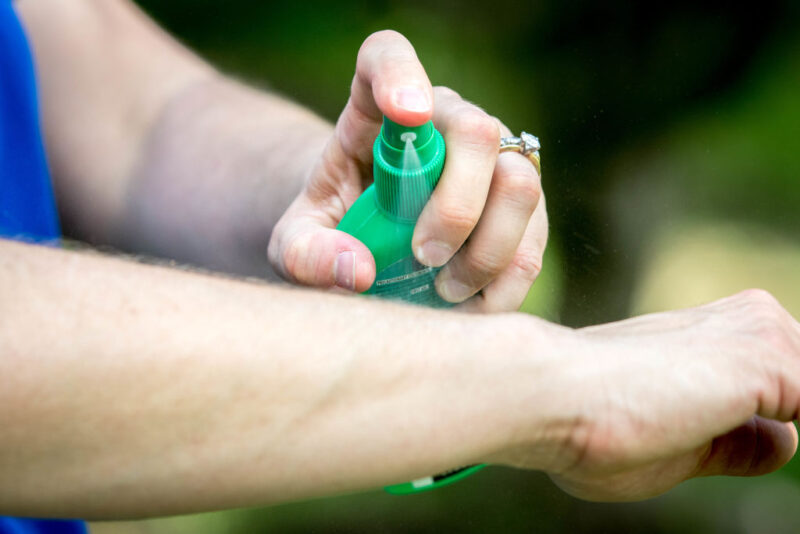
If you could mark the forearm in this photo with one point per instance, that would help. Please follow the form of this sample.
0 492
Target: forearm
154 151
131 390
217 170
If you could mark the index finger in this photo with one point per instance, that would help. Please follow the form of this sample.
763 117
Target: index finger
391 81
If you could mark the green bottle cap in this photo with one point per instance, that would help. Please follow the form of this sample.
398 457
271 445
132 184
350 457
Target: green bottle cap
408 161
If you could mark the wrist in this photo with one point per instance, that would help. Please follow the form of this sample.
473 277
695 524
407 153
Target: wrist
537 412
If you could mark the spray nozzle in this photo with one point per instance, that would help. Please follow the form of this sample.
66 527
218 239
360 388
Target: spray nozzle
398 145
408 137
397 135
408 161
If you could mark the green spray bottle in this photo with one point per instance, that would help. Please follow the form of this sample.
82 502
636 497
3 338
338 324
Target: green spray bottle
407 164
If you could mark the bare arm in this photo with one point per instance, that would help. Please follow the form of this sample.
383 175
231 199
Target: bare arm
131 390
154 151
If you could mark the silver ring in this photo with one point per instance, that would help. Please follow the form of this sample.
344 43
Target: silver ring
527 145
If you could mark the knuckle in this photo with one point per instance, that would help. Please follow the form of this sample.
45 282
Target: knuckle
775 334
771 328
478 127
759 298
520 185
528 263
485 263
762 307
457 217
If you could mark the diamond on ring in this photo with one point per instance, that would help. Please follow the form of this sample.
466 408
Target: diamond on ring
526 144
530 143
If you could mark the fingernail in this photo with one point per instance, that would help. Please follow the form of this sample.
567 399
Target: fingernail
412 99
434 253
454 291
344 270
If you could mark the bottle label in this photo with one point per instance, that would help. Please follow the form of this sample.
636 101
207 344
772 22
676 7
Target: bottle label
409 281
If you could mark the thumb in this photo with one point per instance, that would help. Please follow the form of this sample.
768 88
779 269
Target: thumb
755 448
306 252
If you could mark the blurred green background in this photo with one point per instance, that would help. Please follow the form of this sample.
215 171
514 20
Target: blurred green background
670 138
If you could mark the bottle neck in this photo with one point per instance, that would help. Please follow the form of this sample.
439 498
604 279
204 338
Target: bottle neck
402 190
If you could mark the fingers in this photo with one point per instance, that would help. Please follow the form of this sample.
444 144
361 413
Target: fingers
509 289
389 80
758 447
305 248
485 197
514 194
472 138
770 339
307 251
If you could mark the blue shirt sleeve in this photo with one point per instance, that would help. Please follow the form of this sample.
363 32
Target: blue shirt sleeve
27 204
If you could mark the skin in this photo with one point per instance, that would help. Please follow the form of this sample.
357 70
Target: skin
154 391
169 124
176 413
495 201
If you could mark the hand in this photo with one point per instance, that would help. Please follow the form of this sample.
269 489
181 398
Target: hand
496 202
661 398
